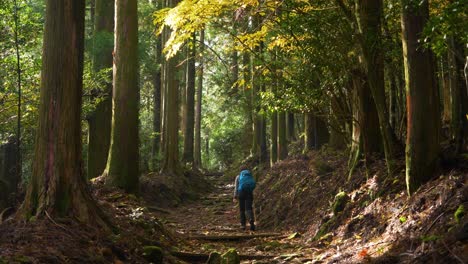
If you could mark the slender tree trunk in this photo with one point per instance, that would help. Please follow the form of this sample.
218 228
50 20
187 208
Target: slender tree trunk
246 71
170 163
367 118
366 138
445 81
198 107
99 122
255 117
190 104
155 148
57 187
262 135
282 141
274 119
458 97
422 142
274 138
308 132
18 170
369 13
122 164
290 127
339 128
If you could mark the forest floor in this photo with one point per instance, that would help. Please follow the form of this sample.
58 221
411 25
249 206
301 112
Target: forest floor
298 219
211 224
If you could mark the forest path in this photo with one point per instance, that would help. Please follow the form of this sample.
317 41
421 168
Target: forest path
211 224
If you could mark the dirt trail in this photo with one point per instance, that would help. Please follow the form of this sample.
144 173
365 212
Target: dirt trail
211 224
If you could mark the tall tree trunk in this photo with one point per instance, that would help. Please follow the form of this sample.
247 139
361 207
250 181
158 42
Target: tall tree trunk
339 128
445 81
308 132
262 135
458 97
170 163
246 71
423 117
254 151
156 142
274 138
369 13
274 119
367 117
190 104
99 122
18 169
366 138
290 127
122 165
57 187
197 162
282 141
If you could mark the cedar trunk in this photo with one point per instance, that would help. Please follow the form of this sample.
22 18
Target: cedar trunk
291 131
274 138
123 161
309 132
282 141
57 187
458 97
197 160
155 148
369 13
190 104
423 117
170 163
100 120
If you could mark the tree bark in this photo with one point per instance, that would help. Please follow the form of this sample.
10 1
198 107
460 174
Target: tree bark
99 122
445 81
369 13
274 138
190 104
197 162
458 97
290 127
57 187
316 132
282 141
122 165
170 163
308 132
156 142
366 116
423 117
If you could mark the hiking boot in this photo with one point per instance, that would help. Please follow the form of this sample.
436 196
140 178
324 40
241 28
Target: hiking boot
252 227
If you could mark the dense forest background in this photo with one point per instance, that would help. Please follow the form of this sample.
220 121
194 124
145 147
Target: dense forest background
136 92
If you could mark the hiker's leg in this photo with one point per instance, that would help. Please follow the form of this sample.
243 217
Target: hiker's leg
249 210
242 208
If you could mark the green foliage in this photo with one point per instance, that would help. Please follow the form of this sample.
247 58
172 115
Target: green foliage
153 254
230 257
459 213
429 238
448 19
403 219
339 204
30 27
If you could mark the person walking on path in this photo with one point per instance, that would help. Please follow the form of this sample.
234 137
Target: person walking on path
243 192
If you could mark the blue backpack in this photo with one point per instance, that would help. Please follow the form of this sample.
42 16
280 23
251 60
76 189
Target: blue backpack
246 182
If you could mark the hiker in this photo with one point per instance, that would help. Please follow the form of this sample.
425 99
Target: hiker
243 191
